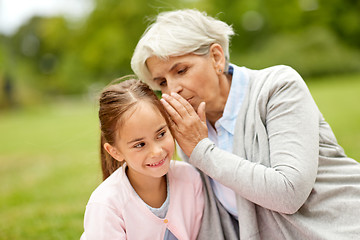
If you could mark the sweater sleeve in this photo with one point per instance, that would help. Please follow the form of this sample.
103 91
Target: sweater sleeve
285 129
102 222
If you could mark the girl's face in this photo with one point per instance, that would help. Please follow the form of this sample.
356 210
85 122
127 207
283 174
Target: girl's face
144 141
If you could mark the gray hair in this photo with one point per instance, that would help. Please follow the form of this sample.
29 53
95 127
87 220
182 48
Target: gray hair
177 33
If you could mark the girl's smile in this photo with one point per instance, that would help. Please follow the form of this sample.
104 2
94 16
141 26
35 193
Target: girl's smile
145 143
157 164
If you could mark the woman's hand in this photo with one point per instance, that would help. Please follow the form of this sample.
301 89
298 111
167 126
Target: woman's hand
189 127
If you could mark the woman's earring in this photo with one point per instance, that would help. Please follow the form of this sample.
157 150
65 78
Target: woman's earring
219 70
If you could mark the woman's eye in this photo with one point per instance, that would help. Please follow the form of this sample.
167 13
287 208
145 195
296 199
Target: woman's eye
139 145
162 83
183 70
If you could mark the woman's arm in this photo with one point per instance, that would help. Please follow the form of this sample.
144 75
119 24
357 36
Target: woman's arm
290 120
287 115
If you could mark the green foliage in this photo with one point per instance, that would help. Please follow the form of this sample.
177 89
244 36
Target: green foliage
54 56
312 52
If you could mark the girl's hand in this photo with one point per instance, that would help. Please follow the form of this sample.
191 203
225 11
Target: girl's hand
189 127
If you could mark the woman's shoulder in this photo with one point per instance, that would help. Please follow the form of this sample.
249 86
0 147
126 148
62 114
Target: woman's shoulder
276 70
275 77
280 67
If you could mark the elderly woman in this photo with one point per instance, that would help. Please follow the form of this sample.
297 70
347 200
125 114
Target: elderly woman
270 162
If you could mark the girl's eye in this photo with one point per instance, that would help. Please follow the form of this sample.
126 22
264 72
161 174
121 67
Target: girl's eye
162 134
139 145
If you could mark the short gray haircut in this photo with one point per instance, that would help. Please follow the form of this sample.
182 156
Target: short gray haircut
177 33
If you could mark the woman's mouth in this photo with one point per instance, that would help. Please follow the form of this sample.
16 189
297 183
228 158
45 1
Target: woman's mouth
190 100
157 164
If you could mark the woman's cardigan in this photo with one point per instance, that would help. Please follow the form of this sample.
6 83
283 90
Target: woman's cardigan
292 179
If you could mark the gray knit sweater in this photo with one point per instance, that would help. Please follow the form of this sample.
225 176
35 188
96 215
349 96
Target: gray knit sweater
292 179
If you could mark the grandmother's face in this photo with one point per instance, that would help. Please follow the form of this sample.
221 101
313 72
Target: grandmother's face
194 77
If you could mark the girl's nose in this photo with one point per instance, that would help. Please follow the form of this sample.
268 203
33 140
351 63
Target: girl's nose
156 150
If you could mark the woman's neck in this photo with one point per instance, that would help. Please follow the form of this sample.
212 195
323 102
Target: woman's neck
153 191
217 112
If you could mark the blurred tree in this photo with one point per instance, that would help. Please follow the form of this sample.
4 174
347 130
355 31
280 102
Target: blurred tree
314 36
39 47
343 16
112 31
55 56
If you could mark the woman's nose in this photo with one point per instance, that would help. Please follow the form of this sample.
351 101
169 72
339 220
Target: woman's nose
173 86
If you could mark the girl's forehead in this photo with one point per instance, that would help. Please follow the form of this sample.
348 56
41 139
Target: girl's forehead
140 106
143 115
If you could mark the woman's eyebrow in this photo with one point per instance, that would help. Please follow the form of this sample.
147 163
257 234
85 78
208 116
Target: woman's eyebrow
156 79
174 66
171 69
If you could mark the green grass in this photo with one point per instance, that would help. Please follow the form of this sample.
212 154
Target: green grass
49 167
49 159
338 98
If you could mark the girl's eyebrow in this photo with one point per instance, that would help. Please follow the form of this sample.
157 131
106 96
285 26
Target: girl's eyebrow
161 128
140 139
135 140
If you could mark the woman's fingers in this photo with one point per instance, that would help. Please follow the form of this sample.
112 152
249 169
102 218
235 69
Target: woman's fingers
176 107
190 110
189 126
175 117
201 112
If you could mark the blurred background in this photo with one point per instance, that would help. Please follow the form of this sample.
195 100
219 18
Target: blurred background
56 55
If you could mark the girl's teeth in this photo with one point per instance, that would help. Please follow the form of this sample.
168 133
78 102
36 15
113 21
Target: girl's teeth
155 164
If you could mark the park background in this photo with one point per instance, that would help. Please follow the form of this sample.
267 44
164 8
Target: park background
52 69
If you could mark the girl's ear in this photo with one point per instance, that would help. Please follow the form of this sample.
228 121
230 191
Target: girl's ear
114 152
218 57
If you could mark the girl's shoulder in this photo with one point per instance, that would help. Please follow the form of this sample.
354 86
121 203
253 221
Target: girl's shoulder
112 190
183 171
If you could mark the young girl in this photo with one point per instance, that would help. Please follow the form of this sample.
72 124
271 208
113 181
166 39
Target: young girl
144 194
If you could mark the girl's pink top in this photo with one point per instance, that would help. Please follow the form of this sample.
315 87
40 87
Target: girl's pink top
115 211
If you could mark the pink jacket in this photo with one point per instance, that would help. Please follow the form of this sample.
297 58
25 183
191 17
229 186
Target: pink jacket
114 210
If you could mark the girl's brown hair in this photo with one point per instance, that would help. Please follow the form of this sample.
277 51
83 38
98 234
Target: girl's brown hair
115 100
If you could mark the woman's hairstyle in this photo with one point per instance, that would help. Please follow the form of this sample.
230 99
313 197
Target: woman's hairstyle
177 33
115 100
